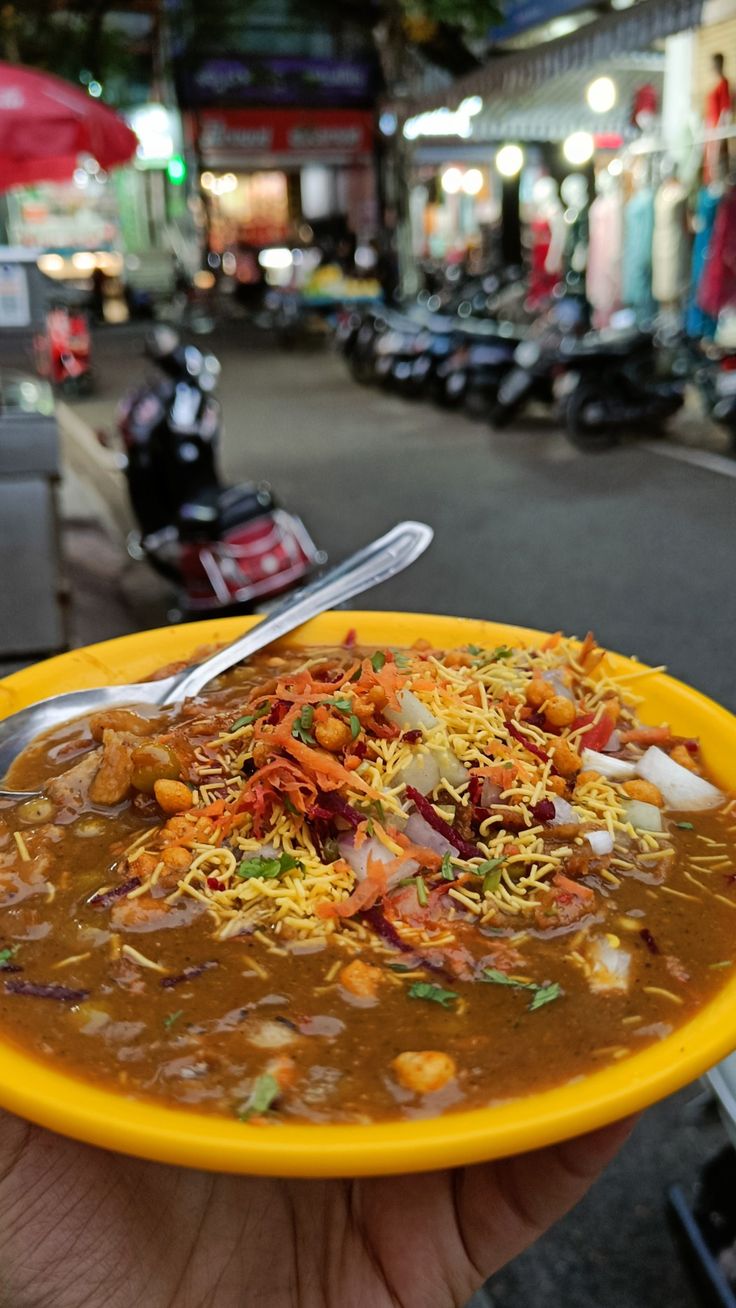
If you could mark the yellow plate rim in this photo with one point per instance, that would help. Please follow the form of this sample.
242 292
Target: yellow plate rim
72 1106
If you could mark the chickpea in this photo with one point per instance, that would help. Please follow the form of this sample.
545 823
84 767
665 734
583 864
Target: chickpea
334 734
681 754
152 763
421 644
424 1071
559 711
644 791
583 777
361 979
35 811
176 858
172 796
557 785
261 753
377 697
363 709
457 659
538 691
566 759
612 708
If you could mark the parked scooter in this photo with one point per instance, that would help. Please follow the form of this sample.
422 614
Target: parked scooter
616 381
225 547
539 359
714 376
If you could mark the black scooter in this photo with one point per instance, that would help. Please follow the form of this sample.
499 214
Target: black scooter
227 548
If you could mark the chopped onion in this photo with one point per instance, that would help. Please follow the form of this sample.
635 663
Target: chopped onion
556 679
616 769
422 772
610 965
411 713
643 817
680 788
357 857
601 842
450 767
419 830
564 812
613 744
490 793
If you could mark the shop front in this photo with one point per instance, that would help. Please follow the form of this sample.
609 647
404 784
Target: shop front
267 173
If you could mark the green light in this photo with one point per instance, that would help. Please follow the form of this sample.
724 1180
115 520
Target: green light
176 170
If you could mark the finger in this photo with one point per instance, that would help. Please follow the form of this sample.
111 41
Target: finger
503 1207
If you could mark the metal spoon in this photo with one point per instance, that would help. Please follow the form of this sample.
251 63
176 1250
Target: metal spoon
373 564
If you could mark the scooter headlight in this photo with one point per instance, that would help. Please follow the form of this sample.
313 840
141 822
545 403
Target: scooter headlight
527 354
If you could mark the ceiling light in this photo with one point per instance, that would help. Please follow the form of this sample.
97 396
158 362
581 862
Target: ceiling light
601 95
472 182
452 180
510 160
579 148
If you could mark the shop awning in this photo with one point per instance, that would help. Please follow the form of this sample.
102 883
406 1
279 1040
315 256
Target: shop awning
515 75
550 112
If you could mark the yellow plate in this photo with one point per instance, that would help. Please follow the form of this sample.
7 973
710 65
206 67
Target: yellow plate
37 1091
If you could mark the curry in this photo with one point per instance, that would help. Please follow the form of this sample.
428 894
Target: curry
346 885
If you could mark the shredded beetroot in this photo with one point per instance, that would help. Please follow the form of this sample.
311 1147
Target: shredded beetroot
103 899
412 737
62 994
359 749
376 918
214 884
189 974
319 813
544 811
278 712
649 940
350 638
528 744
475 789
423 806
339 807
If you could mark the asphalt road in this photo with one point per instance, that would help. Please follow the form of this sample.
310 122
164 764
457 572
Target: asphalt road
635 544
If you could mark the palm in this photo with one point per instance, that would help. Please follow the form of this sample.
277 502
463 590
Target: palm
80 1228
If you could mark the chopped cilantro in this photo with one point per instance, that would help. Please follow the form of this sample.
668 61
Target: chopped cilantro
265 1091
474 649
400 659
685 826
290 807
302 728
171 1018
490 871
400 967
497 978
447 871
370 827
262 866
378 660
421 886
501 652
248 718
545 995
435 994
9 952
340 702
354 726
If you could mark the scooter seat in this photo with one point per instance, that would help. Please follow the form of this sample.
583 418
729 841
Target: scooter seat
218 511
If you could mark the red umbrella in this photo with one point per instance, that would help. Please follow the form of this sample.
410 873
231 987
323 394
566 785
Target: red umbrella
45 124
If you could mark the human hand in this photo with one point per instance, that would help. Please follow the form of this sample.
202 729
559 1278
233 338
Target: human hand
84 1228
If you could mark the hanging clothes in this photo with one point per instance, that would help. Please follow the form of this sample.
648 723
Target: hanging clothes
670 243
697 322
637 253
541 282
718 107
603 281
718 283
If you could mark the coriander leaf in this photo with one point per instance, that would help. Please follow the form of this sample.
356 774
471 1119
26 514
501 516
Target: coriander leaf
545 995
265 1091
404 967
685 826
435 994
301 730
378 660
501 652
474 649
262 866
339 702
356 675
290 808
171 1018
370 827
497 978
241 722
354 726
491 881
490 865
421 887
447 871
400 659
9 952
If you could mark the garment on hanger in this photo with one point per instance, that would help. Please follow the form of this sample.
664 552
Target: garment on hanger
603 281
541 282
718 283
697 322
718 107
637 253
670 243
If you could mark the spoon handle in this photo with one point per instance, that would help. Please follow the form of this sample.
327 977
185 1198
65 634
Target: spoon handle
382 559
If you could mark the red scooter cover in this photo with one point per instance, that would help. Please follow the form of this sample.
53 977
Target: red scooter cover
253 562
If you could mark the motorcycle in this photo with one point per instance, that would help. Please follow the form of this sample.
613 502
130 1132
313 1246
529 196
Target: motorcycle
226 548
615 381
714 375
539 360
63 349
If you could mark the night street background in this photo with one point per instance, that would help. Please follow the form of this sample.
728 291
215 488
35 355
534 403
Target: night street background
636 544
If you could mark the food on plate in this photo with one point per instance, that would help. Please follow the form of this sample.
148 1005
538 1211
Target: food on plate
349 884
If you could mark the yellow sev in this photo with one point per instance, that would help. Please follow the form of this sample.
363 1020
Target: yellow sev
473 697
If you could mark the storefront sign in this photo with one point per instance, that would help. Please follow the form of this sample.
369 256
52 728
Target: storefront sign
250 137
255 79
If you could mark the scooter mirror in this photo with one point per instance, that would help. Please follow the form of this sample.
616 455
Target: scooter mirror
162 340
193 360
